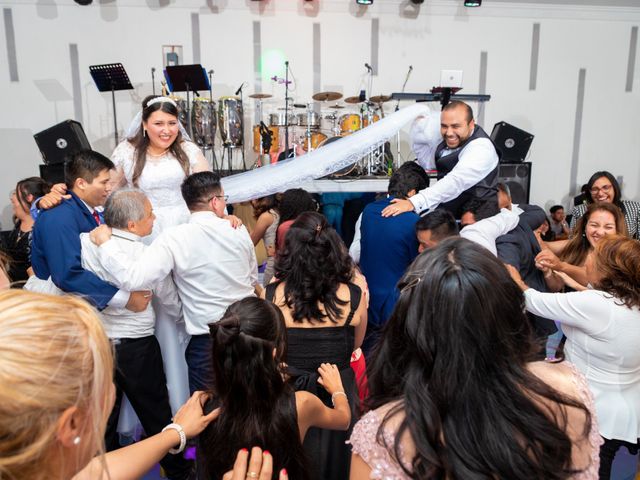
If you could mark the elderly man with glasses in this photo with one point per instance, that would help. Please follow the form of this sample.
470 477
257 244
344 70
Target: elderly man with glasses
212 261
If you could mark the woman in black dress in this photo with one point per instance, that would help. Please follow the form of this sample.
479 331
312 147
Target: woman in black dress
17 242
325 310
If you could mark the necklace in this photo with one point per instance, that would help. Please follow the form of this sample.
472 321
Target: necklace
156 155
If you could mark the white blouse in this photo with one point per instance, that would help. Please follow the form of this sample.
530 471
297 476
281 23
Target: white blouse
603 342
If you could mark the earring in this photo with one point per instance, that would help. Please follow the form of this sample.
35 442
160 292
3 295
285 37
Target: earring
144 132
76 441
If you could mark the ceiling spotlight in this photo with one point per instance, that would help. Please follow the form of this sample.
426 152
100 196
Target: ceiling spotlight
472 3
83 2
417 2
364 2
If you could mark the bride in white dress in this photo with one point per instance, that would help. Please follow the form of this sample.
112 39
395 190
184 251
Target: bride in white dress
156 158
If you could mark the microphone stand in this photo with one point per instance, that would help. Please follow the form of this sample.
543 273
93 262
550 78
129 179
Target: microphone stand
286 109
153 79
398 108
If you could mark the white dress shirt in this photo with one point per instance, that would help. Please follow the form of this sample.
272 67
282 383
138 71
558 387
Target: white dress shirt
484 232
213 266
476 160
602 342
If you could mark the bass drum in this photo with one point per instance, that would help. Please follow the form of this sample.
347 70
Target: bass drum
204 121
350 170
230 121
317 139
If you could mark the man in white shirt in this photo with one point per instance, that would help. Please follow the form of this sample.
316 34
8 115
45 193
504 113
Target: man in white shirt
463 154
213 264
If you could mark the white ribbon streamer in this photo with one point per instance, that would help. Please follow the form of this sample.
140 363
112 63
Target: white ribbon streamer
293 172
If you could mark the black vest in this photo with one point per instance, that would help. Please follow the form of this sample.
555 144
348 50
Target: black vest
485 189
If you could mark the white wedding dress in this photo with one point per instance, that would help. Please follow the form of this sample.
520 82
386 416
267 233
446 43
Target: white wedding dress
160 181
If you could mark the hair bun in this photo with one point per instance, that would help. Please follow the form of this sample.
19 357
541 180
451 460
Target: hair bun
225 333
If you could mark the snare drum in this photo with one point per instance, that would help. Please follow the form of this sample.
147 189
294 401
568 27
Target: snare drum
203 121
309 119
230 121
349 123
278 119
257 139
317 138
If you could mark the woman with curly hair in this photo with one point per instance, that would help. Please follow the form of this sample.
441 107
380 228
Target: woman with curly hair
325 313
603 332
447 404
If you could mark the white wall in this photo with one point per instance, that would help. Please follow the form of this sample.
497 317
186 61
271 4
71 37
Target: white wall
443 35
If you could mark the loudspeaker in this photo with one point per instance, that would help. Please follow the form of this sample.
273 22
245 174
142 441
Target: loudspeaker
59 142
517 176
512 142
53 173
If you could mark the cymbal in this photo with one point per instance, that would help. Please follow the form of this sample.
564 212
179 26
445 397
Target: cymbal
336 106
380 98
260 96
352 100
327 96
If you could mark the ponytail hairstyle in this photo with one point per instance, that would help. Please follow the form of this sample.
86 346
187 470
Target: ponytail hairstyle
141 141
257 406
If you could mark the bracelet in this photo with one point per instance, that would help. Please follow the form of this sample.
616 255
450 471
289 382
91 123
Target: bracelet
183 437
333 397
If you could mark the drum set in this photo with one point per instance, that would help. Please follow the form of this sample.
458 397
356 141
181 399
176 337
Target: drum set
315 124
304 126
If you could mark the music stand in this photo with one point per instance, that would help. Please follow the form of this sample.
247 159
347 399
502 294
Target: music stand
111 76
187 78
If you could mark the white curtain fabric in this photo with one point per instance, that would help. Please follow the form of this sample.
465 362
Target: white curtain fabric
293 172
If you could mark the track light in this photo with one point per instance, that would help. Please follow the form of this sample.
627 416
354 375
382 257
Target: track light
472 3
83 2
364 2
417 2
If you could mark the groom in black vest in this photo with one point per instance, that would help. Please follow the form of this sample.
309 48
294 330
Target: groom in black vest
466 160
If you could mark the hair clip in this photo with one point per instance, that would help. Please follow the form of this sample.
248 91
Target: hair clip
318 228
411 284
155 100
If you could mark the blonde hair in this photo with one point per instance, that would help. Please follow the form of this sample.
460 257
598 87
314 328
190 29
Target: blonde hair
54 354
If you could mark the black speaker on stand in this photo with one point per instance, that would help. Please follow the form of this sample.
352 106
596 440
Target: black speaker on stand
57 144
516 176
512 142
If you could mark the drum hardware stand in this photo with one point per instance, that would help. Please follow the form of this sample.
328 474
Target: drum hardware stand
189 78
406 79
239 91
111 77
212 106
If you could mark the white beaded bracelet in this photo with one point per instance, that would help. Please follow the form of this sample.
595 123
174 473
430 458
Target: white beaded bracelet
183 438
333 397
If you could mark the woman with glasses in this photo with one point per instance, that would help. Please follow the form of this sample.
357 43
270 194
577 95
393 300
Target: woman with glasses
603 187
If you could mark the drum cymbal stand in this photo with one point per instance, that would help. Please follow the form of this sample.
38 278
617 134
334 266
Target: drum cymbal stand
239 91
307 134
404 85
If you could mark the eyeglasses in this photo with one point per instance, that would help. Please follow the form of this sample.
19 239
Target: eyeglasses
604 188
224 197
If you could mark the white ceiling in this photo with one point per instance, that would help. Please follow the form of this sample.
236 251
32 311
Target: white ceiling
590 3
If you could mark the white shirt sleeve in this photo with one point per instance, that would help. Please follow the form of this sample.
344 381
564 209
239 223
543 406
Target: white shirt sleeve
167 294
354 249
151 267
253 261
588 310
425 137
477 160
485 231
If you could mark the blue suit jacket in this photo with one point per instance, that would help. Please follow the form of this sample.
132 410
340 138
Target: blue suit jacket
55 251
388 246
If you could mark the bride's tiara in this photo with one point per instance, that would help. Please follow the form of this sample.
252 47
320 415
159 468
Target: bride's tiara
160 100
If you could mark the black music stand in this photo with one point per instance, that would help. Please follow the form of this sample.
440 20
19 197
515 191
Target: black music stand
187 78
111 76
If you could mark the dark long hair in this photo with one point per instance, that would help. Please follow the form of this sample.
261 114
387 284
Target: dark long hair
617 192
576 250
264 204
256 403
312 265
140 141
618 263
453 357
35 186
